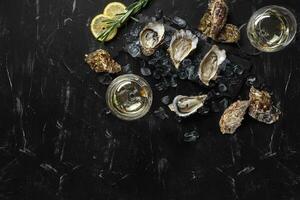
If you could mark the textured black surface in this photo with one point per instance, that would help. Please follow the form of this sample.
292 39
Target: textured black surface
58 140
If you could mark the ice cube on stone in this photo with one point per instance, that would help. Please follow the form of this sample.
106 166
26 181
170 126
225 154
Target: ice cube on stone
222 87
105 79
191 136
165 100
179 22
145 71
133 49
127 69
251 80
187 62
161 113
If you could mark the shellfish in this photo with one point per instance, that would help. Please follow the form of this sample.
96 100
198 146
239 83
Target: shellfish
233 116
101 61
184 106
208 67
261 107
214 26
218 12
151 37
183 42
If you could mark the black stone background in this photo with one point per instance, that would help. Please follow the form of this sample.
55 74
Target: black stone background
57 142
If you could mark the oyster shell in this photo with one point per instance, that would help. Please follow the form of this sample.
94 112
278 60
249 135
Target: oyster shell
182 44
151 37
229 33
208 67
261 107
233 116
101 61
184 106
218 11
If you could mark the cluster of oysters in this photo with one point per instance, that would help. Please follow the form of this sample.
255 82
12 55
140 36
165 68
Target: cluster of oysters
213 23
259 106
183 42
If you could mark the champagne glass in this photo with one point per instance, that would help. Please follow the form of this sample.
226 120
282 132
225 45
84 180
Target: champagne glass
269 29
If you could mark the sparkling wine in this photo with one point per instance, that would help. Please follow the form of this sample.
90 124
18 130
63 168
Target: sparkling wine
271 28
129 97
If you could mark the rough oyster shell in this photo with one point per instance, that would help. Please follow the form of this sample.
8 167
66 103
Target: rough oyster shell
184 106
182 44
151 37
233 116
229 33
208 67
218 11
261 107
101 61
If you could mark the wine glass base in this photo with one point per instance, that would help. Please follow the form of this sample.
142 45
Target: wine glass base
244 44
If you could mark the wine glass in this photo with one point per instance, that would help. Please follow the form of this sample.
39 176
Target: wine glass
269 29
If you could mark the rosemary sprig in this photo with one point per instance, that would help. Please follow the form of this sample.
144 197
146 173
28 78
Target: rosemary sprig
121 18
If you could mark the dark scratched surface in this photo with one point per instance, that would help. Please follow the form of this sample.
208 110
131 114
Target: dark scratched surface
58 142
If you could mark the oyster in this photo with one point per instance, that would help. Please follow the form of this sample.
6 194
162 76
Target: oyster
151 37
261 107
229 33
184 106
182 44
101 61
218 11
233 116
208 67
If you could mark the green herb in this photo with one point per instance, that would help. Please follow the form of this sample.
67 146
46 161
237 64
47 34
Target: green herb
121 18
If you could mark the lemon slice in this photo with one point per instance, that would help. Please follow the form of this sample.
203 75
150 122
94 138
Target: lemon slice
98 25
114 8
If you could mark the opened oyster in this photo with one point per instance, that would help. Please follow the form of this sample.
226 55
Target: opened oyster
261 107
182 44
184 106
101 61
151 37
208 67
233 116
214 26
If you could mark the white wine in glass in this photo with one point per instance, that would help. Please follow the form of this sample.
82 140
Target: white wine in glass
271 28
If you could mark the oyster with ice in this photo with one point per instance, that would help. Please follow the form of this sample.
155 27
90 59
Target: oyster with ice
209 65
233 116
183 42
261 107
101 61
184 106
151 37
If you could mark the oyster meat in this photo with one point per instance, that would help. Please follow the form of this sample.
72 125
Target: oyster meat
233 116
101 61
228 33
209 66
183 42
218 12
184 106
261 107
151 37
